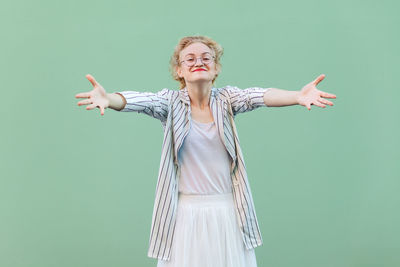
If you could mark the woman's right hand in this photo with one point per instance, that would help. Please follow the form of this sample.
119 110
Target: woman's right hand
96 98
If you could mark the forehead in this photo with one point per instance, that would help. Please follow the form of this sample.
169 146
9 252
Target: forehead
196 48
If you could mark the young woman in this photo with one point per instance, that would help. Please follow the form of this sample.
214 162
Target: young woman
203 212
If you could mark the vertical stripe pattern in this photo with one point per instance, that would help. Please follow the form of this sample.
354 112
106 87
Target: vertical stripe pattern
172 108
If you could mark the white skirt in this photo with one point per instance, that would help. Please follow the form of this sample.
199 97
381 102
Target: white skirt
207 234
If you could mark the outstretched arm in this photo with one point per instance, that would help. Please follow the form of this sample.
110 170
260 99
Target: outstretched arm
307 96
275 97
149 103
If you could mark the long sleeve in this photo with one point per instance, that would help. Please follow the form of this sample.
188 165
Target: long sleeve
244 100
151 104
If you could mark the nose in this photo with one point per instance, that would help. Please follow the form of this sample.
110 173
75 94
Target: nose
197 60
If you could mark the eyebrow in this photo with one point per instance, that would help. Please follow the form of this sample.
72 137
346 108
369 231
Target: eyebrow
201 53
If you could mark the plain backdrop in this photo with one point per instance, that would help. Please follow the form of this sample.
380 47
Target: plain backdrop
77 188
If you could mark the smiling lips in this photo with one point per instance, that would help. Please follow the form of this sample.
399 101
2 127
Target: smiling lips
199 70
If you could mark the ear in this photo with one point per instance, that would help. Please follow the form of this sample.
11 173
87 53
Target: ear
178 71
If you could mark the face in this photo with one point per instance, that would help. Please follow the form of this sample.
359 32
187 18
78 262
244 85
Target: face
207 72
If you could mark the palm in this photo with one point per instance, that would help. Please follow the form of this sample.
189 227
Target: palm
310 95
95 98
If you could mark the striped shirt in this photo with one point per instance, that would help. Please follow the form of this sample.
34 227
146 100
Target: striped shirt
172 108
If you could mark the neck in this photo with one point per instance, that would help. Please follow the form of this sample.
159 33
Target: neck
199 94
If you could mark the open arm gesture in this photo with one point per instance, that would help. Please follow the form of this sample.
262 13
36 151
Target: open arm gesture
95 98
310 95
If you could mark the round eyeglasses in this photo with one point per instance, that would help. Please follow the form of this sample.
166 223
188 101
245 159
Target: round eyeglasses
191 60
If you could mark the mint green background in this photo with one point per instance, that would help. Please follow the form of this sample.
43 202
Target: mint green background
77 188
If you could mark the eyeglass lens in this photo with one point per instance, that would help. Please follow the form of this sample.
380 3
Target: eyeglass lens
190 60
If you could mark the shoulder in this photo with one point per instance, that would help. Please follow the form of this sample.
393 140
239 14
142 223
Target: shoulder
228 88
173 95
226 91
168 93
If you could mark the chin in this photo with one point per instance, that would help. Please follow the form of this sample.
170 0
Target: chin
201 81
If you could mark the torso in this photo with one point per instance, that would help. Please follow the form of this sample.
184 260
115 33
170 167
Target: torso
205 163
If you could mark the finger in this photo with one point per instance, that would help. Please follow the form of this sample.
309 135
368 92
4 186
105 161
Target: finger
91 79
319 104
324 94
102 110
82 95
85 102
92 106
308 106
325 101
319 79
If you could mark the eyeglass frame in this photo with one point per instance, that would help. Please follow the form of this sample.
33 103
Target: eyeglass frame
213 60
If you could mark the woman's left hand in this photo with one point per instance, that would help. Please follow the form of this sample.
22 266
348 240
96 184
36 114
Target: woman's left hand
310 95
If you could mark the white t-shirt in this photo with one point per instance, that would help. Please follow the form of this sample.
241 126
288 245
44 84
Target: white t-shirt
205 162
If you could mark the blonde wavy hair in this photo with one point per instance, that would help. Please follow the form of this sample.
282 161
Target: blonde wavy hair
186 41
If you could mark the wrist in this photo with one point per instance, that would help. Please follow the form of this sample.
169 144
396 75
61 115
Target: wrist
297 97
116 101
109 97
